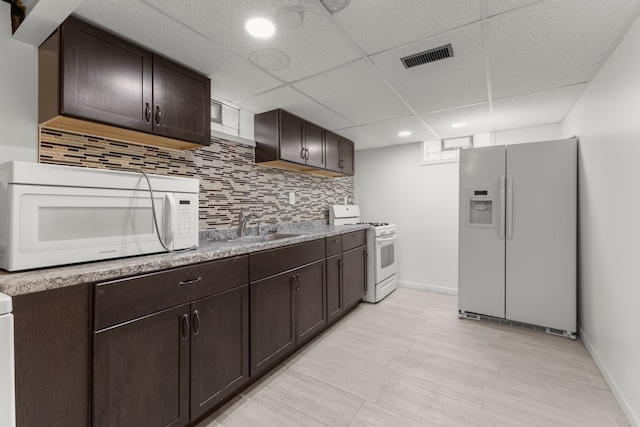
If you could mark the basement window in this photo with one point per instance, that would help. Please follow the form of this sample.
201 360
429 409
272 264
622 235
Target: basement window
225 118
440 151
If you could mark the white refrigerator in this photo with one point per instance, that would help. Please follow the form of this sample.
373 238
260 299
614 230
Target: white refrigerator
518 235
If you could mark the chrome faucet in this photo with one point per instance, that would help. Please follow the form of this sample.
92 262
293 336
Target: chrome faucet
243 219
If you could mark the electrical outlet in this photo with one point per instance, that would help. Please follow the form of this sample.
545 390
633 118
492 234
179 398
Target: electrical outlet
292 198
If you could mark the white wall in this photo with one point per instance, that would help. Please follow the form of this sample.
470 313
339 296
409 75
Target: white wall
18 95
391 186
531 134
607 120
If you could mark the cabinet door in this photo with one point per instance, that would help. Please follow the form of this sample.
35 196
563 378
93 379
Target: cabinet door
141 371
105 79
334 287
52 357
314 145
332 150
291 143
354 284
272 320
310 300
219 348
181 102
346 156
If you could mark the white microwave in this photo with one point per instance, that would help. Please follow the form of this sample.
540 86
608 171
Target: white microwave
54 215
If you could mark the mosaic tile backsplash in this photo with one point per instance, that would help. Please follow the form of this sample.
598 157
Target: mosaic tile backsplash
229 178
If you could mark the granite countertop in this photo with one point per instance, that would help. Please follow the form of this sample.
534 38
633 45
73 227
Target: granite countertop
27 282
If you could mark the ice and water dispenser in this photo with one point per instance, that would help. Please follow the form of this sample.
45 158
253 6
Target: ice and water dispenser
480 207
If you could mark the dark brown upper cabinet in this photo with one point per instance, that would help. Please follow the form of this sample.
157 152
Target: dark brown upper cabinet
286 141
339 155
93 82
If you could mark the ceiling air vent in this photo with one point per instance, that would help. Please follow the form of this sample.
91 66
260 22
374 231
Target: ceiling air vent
431 55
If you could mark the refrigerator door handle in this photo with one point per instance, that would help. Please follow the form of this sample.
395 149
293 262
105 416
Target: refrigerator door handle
509 207
502 207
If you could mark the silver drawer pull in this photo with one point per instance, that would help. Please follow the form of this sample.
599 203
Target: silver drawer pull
190 282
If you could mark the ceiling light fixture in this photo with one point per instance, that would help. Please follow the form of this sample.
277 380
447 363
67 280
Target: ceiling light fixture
404 133
260 27
458 125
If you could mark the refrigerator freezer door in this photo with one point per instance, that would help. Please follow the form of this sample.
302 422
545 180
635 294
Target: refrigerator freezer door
541 251
481 264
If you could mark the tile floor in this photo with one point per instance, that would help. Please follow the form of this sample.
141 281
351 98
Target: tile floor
410 361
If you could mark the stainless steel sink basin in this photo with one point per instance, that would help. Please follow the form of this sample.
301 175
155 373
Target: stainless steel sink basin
263 238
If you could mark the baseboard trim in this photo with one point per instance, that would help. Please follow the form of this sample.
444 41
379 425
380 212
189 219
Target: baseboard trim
631 416
430 288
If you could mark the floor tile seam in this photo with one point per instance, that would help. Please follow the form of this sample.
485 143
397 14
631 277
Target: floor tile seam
381 404
339 387
350 360
528 398
299 411
353 417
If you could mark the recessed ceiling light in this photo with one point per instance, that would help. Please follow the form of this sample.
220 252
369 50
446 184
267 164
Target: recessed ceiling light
458 125
404 133
260 27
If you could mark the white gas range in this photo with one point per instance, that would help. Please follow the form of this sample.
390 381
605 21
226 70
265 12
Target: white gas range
382 266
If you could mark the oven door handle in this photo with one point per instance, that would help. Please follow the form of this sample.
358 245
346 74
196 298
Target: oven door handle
386 238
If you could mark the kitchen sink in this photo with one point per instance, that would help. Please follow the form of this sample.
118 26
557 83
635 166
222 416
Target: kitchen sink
263 238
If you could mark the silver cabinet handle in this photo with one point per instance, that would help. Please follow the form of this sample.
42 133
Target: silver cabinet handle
196 322
190 282
185 326
147 112
158 115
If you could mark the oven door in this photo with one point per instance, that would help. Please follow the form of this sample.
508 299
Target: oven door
385 257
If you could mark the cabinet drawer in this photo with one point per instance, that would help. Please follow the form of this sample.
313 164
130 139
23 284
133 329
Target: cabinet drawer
333 245
353 240
126 299
274 261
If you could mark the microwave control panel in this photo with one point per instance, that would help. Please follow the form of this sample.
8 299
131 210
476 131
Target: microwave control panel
187 221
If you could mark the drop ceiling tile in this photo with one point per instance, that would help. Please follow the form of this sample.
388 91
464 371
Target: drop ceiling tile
305 42
232 77
379 25
296 103
553 43
477 119
388 130
540 108
442 84
496 7
355 91
362 139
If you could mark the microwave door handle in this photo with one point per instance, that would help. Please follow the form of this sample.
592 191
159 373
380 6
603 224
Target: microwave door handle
169 219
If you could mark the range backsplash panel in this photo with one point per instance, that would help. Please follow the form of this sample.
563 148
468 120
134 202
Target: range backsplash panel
229 177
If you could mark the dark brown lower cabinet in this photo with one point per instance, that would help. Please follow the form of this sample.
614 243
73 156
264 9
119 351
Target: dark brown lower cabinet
354 279
141 371
219 348
171 367
286 309
272 320
52 357
169 346
334 287
311 314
